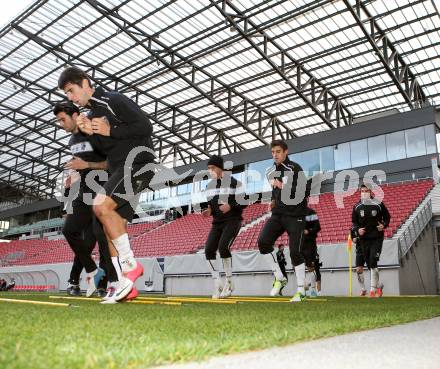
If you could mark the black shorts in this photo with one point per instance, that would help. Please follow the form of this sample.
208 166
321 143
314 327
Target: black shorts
276 225
371 250
221 237
125 187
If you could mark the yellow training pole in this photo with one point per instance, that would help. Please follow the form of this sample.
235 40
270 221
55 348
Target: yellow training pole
75 298
147 302
35 302
350 263
201 300
350 272
269 299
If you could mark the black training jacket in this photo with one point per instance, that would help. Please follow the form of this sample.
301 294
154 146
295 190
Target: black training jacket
130 127
222 191
368 215
312 225
289 172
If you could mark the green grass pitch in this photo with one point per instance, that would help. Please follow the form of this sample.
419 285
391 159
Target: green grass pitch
129 336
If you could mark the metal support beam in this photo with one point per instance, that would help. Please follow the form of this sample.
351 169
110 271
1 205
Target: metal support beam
318 56
61 55
26 140
33 159
321 100
29 190
12 116
176 63
56 49
26 175
23 84
395 66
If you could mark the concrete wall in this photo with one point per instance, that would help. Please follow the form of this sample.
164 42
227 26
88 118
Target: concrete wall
58 275
418 271
334 283
190 274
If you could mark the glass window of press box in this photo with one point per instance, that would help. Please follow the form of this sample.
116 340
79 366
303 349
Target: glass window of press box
372 150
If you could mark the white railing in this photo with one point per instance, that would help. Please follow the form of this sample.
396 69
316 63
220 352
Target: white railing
414 229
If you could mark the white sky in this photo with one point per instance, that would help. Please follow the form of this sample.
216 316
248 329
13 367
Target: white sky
11 8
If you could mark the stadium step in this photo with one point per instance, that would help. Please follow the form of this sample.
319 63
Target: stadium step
435 198
433 193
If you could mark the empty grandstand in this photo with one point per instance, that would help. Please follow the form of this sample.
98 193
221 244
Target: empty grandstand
338 80
173 243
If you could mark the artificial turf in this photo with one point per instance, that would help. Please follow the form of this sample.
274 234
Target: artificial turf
129 336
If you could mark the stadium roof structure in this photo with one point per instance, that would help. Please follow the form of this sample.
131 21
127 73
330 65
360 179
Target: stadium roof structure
214 76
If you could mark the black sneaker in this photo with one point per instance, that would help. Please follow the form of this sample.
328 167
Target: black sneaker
74 290
101 292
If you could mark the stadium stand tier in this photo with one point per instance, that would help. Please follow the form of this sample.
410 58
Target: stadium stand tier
400 199
188 234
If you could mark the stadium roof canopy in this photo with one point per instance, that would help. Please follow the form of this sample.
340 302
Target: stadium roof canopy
214 76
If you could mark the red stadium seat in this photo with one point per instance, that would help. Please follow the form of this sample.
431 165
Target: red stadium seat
188 234
336 230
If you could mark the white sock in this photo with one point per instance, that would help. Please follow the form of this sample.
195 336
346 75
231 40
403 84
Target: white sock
122 245
213 264
361 280
374 272
117 266
274 266
227 267
312 280
300 272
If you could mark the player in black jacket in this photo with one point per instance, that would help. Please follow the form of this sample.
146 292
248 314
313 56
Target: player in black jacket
310 249
81 228
226 223
122 131
290 190
370 217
